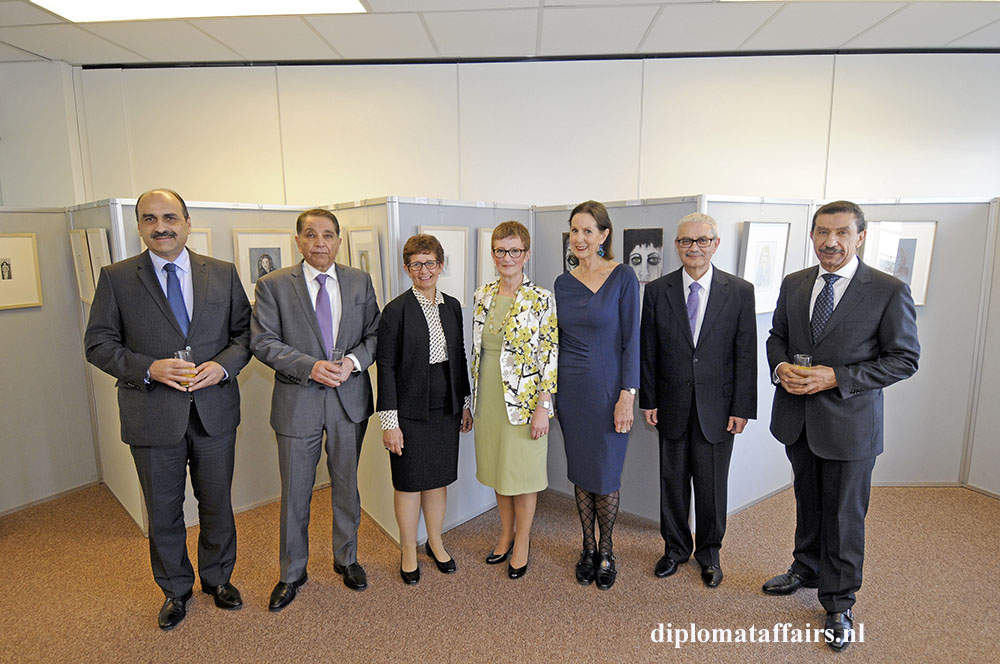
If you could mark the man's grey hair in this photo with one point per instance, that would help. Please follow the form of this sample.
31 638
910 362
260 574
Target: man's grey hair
699 218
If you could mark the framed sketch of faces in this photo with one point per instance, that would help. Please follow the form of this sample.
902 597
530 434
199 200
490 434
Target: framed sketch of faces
643 252
454 240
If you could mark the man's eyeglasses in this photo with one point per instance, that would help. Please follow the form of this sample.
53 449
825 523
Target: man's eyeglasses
430 265
514 253
688 241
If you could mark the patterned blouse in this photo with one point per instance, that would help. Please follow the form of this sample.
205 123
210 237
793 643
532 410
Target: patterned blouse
530 354
389 419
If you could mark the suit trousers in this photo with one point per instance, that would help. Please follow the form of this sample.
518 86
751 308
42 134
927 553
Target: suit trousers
162 471
297 460
692 459
831 502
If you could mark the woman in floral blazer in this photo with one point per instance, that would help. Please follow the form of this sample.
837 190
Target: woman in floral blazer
515 354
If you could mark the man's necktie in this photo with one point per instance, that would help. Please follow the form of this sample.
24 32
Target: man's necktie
324 315
823 308
175 298
693 300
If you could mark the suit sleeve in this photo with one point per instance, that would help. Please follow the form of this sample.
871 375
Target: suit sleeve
899 349
267 342
745 356
104 340
777 341
365 349
237 353
628 311
648 345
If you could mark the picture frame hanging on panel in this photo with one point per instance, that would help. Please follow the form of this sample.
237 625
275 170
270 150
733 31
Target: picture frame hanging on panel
20 277
903 249
100 254
81 265
643 252
455 241
569 259
200 241
763 247
366 255
261 251
487 268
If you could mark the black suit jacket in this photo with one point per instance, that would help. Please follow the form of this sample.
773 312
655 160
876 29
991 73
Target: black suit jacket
403 356
131 325
870 342
719 375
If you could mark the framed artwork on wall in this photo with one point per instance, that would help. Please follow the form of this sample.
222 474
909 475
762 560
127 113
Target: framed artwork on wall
762 260
487 269
200 241
569 260
81 264
261 251
642 249
100 255
902 249
454 239
366 256
20 278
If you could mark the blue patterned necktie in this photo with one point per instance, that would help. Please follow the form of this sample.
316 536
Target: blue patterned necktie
823 308
175 298
324 314
693 301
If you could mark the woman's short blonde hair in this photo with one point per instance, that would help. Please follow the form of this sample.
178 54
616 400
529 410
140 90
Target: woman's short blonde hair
511 229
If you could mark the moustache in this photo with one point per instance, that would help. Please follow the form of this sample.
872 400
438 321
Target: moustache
163 234
834 250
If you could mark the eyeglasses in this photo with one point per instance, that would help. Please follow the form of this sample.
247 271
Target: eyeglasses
513 253
687 241
430 265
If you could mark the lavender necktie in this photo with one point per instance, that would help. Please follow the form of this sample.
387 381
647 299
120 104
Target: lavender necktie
175 298
324 315
693 301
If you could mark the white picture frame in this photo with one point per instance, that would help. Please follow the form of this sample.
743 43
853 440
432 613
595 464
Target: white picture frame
903 249
20 277
259 251
200 241
763 252
100 254
366 255
81 265
455 240
487 271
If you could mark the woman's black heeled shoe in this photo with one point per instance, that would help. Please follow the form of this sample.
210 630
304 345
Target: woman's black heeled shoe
409 578
447 567
518 572
497 558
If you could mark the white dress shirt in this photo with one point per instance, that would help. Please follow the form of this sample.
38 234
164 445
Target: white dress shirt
706 285
845 273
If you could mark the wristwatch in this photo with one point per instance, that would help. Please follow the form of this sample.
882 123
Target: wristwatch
630 390
547 405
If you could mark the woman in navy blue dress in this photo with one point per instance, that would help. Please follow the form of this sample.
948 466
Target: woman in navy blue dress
598 305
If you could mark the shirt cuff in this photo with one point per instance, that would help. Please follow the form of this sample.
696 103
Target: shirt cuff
357 363
775 380
467 402
389 419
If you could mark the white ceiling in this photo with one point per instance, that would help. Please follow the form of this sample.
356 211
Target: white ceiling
449 29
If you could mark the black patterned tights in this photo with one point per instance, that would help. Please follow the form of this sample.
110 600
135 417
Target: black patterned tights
603 509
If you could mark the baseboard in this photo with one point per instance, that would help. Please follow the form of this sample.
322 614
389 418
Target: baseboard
46 499
917 485
985 492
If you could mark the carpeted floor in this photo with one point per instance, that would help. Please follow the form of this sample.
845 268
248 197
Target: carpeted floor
77 588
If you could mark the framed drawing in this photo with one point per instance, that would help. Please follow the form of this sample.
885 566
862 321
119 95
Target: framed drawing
454 239
902 249
260 251
366 255
20 279
200 241
487 269
569 259
100 255
762 260
81 265
643 252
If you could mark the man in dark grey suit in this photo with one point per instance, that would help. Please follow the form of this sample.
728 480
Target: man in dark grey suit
176 413
698 388
859 327
301 314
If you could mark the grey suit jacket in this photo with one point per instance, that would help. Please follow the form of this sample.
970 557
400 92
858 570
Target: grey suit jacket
870 342
131 325
285 335
720 374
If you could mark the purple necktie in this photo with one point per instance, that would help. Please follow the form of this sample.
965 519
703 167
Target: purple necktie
693 301
324 315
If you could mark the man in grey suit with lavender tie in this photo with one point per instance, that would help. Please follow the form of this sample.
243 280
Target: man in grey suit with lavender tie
300 315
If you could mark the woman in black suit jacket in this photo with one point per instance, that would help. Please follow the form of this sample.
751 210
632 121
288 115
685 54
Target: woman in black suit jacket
423 401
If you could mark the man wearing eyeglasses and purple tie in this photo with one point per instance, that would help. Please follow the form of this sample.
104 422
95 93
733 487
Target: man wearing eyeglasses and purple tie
859 325
698 387
316 325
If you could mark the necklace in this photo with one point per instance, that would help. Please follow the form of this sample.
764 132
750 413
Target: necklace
491 320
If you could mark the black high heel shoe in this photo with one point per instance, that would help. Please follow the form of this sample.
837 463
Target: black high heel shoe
409 578
497 558
518 572
447 567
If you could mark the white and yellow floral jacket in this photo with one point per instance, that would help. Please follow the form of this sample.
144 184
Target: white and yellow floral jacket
529 359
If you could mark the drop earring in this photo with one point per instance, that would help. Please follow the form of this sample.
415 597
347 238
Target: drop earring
600 251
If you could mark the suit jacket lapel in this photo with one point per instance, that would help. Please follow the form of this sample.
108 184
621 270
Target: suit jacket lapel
717 296
308 312
199 283
856 291
147 276
798 306
678 303
344 286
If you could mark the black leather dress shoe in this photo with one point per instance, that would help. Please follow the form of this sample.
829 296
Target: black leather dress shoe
497 558
448 566
711 575
665 566
585 567
354 575
173 611
839 630
606 573
284 593
788 583
226 596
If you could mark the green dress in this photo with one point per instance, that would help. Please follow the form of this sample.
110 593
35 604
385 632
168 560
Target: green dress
507 459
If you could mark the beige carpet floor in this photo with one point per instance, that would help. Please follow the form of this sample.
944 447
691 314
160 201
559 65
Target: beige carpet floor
77 588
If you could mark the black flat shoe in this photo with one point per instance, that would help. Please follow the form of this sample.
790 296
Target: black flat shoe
284 593
409 578
606 572
497 558
226 596
585 567
447 567
173 611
